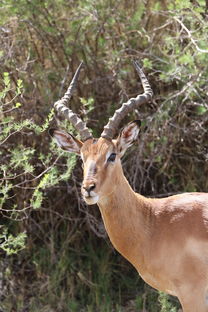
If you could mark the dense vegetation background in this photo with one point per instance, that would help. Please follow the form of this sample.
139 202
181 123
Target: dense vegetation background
55 254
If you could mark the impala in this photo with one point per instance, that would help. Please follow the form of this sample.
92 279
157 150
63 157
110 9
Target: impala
165 239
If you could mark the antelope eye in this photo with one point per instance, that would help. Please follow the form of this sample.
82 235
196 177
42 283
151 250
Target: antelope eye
112 157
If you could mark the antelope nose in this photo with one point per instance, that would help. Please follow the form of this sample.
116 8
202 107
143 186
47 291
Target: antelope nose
89 188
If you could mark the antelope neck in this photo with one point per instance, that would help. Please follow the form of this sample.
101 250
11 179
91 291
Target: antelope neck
122 210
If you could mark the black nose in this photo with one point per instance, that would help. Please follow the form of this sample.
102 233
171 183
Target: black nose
89 187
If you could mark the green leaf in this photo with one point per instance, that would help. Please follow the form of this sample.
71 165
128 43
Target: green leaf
200 110
17 105
186 58
12 244
6 79
147 63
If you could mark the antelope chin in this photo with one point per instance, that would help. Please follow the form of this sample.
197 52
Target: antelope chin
91 200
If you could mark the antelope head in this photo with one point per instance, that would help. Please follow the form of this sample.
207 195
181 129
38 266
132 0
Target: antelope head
101 157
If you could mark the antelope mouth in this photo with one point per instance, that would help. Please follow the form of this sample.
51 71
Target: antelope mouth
91 200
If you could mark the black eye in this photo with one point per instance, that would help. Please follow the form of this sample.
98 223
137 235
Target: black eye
112 157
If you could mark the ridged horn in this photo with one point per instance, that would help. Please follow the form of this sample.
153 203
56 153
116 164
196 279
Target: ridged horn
61 108
113 123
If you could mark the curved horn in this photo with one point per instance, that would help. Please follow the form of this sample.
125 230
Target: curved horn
60 107
112 125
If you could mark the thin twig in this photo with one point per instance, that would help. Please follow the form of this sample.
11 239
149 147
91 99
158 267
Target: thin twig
190 36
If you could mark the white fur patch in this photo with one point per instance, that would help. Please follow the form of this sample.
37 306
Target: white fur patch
92 200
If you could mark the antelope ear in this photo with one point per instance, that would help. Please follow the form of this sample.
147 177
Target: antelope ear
66 141
127 136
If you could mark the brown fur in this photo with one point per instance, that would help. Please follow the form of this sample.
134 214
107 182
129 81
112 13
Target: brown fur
165 239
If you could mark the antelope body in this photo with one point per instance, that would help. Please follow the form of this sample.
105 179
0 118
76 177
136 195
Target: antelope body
165 239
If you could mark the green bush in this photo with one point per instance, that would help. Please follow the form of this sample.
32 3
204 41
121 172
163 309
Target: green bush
52 245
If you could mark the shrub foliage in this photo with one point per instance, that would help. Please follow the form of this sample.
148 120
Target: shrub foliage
55 252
